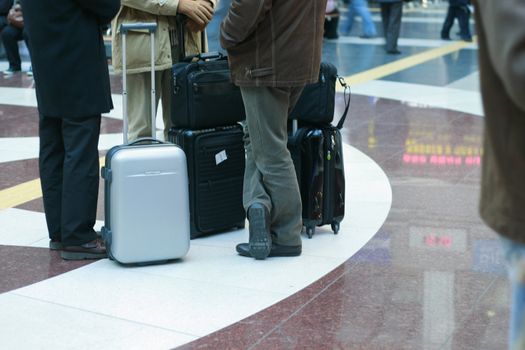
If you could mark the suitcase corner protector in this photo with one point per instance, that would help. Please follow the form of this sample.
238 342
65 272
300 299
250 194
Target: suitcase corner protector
106 235
106 173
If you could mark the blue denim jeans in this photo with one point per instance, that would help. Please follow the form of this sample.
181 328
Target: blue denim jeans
360 8
514 253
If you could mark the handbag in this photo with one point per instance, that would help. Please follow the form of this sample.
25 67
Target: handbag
203 94
316 105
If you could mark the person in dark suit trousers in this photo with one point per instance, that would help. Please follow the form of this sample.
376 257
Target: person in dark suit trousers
391 13
457 9
72 89
5 6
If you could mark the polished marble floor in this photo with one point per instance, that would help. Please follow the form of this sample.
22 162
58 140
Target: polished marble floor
413 266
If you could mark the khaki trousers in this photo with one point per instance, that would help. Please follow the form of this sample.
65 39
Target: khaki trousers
270 177
139 102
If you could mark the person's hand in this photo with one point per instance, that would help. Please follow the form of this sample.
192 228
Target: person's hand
199 11
192 26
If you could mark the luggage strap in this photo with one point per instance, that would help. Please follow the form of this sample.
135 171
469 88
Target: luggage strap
346 97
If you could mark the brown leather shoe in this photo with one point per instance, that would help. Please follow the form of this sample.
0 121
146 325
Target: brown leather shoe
91 250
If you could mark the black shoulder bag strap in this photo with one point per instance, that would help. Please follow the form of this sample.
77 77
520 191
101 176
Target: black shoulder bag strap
346 97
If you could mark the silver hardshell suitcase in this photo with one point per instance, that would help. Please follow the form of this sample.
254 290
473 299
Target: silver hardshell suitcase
147 216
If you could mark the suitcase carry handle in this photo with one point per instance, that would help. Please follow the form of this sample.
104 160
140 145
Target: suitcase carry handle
215 56
124 28
145 140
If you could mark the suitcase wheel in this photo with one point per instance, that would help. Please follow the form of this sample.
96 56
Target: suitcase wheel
310 231
335 227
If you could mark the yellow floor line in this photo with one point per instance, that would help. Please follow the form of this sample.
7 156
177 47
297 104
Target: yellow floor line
25 192
20 194
404 63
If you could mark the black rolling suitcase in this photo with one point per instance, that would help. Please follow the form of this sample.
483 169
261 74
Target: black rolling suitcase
216 163
317 153
306 148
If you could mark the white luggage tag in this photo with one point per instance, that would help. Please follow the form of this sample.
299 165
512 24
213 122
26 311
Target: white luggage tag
220 157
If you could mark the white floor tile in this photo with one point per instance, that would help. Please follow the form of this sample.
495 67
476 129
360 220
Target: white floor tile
468 83
22 227
31 324
224 240
17 96
222 265
181 305
21 148
424 95
366 215
18 148
27 228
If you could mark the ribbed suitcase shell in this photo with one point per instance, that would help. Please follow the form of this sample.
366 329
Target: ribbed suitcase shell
216 164
146 192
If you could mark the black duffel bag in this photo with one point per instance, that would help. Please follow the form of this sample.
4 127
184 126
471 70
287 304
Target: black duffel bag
203 94
316 105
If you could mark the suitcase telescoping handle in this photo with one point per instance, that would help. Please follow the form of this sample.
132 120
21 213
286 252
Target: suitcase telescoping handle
124 29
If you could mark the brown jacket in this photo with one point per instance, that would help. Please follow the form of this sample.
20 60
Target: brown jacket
274 42
502 70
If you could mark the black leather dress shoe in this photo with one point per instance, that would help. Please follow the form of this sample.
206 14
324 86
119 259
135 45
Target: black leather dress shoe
277 250
260 239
